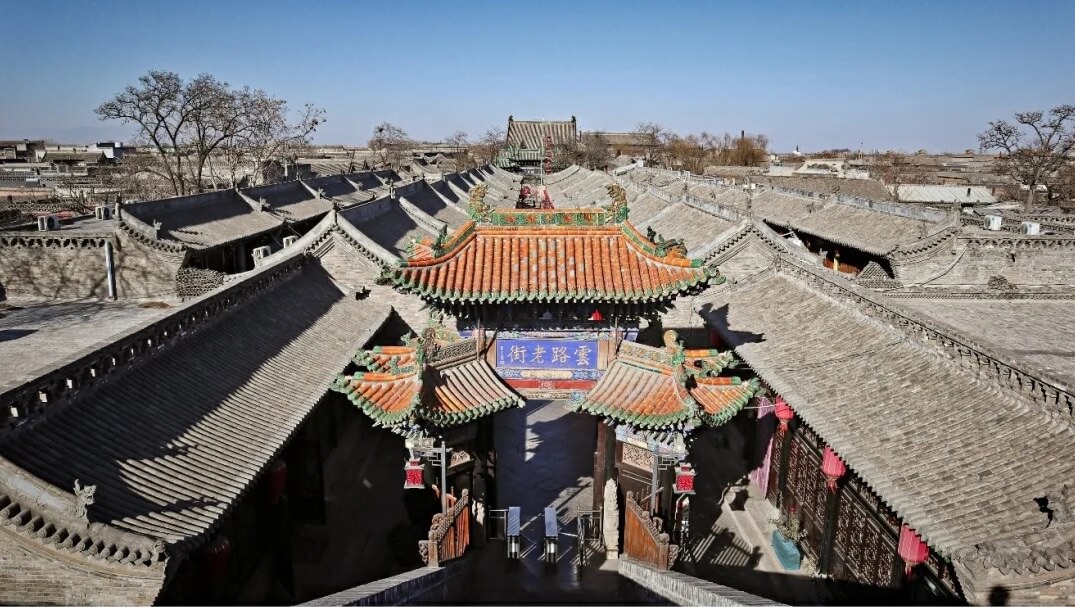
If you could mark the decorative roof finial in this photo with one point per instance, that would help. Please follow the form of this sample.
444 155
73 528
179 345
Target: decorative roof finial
83 499
478 209
617 209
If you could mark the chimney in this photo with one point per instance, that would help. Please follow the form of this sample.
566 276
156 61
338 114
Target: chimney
743 134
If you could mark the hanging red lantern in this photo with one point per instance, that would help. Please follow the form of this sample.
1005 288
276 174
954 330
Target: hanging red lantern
217 554
414 475
833 467
912 549
784 414
596 316
684 479
277 480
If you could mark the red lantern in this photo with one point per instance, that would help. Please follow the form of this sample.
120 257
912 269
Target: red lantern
277 480
912 549
684 479
413 475
217 554
596 316
833 467
784 414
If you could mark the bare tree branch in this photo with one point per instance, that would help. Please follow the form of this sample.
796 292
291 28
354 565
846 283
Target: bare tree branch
1039 161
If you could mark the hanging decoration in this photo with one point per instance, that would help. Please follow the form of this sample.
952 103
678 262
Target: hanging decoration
277 480
217 554
685 474
413 474
784 414
912 550
833 467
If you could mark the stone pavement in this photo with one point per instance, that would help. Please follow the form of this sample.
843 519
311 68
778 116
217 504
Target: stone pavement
545 458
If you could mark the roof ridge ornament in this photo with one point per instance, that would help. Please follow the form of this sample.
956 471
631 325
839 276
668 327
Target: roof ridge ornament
617 209
477 208
83 499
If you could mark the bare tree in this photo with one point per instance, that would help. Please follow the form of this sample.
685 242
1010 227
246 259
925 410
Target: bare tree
270 139
390 144
595 151
458 140
653 137
1065 187
490 145
187 123
460 143
137 175
1034 149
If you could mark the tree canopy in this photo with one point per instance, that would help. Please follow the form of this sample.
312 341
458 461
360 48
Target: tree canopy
1035 150
204 130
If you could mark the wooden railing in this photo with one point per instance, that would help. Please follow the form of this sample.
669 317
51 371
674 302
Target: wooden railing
449 535
644 539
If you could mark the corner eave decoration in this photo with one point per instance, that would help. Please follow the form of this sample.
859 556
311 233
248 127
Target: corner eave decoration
424 384
564 255
667 389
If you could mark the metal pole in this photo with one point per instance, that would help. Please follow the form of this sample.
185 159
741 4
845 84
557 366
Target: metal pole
443 478
110 269
653 484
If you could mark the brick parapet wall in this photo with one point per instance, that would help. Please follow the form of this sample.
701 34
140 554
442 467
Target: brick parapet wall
34 575
991 587
682 589
420 586
69 266
73 375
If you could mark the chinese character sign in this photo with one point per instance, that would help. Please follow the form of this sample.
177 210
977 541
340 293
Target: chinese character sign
546 354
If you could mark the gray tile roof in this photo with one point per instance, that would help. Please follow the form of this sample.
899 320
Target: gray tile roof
871 231
696 227
959 461
531 133
291 200
423 196
172 443
204 220
393 229
1039 333
41 332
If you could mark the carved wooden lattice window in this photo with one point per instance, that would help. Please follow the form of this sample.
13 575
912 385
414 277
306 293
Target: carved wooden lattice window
809 490
773 488
864 546
792 477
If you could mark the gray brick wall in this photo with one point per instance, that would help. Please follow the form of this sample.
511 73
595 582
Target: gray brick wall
34 575
142 271
77 271
983 587
974 265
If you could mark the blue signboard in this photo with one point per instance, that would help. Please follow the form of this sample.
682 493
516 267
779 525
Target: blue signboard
546 353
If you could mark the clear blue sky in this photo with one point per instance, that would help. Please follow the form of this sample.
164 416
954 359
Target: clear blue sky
889 75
